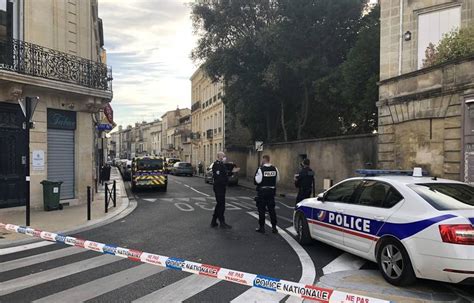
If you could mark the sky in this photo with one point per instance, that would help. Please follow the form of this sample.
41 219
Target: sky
148 45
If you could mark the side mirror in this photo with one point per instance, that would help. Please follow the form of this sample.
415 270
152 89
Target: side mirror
320 197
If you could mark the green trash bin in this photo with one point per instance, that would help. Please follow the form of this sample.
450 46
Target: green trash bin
51 194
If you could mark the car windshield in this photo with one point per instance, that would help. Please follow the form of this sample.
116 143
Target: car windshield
149 164
184 164
446 196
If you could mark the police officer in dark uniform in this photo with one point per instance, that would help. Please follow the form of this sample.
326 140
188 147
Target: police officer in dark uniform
266 178
304 181
220 177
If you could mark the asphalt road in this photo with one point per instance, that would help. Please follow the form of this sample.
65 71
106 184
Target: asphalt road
175 224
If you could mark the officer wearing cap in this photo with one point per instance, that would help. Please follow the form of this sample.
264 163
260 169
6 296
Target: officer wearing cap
266 178
304 181
220 178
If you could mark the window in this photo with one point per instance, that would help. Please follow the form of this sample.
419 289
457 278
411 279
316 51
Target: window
342 192
446 196
432 26
378 194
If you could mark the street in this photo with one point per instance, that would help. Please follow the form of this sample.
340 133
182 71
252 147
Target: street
176 224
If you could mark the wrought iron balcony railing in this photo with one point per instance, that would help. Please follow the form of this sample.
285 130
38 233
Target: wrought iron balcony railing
34 60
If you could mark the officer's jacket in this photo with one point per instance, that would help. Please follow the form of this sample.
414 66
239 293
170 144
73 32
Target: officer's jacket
266 176
219 173
305 178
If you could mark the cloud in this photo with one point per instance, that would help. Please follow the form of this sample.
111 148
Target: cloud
148 45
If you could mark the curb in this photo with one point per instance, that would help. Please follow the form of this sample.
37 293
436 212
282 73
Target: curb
349 281
127 207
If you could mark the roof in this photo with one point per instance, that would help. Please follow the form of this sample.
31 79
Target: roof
404 180
147 157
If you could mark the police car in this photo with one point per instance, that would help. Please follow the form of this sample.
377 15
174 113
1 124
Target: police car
413 226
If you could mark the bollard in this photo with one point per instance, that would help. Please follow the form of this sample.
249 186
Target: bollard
106 197
88 203
115 193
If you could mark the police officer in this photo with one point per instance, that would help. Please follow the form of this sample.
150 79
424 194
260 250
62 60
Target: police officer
266 178
220 177
304 181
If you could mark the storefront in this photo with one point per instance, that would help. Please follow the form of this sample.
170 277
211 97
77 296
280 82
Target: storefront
61 131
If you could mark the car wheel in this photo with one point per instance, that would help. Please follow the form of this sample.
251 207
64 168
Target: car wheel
302 230
394 263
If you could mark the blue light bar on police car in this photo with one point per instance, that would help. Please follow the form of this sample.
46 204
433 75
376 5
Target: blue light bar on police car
393 172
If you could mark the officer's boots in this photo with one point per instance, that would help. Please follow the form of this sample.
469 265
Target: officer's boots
274 229
225 225
260 229
214 222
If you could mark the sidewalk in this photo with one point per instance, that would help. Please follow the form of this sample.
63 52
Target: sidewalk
71 218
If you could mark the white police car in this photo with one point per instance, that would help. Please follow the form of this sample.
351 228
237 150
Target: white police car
412 226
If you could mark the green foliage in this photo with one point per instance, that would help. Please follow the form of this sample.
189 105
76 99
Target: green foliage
284 67
454 45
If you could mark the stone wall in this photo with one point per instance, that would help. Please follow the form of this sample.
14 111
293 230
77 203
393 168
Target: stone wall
334 158
420 118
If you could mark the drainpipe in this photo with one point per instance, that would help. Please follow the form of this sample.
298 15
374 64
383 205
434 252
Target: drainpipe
400 45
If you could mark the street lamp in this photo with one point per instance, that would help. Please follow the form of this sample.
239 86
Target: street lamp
28 106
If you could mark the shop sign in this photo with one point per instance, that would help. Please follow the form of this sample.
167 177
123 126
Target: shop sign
61 119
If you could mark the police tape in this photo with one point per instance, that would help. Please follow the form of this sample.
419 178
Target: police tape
309 292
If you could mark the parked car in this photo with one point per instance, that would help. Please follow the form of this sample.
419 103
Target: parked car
182 168
169 164
233 176
127 170
413 226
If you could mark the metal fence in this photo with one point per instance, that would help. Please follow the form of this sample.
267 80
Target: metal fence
35 60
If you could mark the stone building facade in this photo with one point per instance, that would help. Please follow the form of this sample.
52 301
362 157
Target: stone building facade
214 128
52 50
424 116
208 114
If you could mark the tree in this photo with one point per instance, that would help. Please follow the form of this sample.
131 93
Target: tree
360 74
454 45
279 61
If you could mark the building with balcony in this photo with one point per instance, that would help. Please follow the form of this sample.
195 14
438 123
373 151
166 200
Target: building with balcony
207 118
213 127
425 113
170 131
52 50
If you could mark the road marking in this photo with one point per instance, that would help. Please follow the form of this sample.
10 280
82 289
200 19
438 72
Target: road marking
289 207
192 188
258 295
231 207
167 199
184 206
11 250
183 199
199 199
243 205
308 272
40 258
344 262
245 198
292 231
55 273
103 285
180 290
150 200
